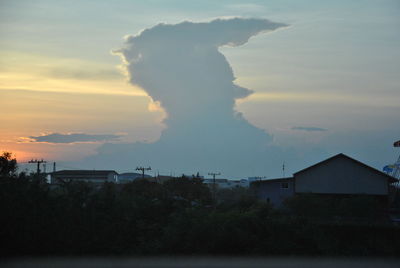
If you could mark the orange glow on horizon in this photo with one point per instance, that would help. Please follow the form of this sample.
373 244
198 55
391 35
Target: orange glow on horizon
24 156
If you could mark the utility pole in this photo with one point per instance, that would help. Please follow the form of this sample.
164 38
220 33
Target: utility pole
38 162
283 169
214 188
143 169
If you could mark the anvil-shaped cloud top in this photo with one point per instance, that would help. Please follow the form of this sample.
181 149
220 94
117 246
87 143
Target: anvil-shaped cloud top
180 65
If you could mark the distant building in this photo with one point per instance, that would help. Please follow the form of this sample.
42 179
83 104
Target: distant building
225 183
235 183
159 179
130 177
198 176
93 176
244 183
220 183
338 175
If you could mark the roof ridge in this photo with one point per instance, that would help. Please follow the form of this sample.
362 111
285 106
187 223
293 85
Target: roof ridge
350 158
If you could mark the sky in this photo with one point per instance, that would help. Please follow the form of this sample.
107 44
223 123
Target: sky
326 82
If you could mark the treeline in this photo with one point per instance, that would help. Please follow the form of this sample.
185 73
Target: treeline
180 217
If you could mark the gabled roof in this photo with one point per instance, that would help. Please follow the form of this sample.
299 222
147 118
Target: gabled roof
341 155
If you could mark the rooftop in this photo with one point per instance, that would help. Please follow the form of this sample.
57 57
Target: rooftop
84 172
341 155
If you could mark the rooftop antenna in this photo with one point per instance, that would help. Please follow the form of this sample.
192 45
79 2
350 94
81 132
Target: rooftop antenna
283 169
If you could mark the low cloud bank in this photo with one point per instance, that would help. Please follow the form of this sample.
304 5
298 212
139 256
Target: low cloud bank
73 138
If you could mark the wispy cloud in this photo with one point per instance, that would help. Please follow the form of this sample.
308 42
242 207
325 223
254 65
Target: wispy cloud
83 74
44 73
58 68
310 129
72 138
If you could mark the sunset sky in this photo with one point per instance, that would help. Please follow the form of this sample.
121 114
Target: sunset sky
327 83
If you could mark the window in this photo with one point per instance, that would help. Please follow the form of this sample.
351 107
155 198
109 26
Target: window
285 185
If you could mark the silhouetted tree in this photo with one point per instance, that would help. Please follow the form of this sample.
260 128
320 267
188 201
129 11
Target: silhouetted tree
345 208
8 165
142 218
236 198
192 190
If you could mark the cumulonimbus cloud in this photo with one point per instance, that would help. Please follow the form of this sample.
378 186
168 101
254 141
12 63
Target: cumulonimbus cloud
180 67
310 129
73 138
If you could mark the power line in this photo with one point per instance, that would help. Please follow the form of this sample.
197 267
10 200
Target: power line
143 169
214 188
38 162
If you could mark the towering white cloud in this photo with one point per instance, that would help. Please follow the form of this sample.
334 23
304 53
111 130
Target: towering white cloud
181 67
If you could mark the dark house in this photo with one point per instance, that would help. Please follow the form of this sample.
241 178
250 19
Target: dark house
130 177
274 191
339 175
93 176
342 175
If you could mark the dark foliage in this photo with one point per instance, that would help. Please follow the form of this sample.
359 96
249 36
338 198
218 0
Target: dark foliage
349 208
179 217
8 165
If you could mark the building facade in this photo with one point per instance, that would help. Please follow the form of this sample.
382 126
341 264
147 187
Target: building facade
274 191
339 175
93 176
